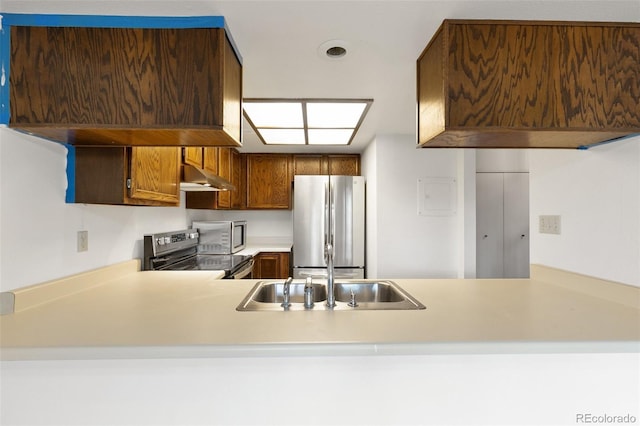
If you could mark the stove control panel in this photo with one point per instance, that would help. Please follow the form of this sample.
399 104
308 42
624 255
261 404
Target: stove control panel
167 242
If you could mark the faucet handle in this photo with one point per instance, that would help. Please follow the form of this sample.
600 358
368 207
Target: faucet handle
308 293
286 293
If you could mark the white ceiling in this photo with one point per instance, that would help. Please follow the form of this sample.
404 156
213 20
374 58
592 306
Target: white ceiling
279 42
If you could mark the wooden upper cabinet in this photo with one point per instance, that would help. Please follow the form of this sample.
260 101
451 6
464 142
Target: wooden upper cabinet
210 159
224 171
239 180
333 164
228 164
127 175
269 181
193 156
528 84
126 86
346 165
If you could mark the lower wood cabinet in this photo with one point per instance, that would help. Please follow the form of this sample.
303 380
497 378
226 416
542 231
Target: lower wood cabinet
127 175
271 265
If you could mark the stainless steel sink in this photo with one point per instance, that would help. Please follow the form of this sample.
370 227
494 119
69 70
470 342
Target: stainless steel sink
271 292
368 292
350 295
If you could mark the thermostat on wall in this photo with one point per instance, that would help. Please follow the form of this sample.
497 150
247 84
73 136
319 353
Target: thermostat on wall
437 196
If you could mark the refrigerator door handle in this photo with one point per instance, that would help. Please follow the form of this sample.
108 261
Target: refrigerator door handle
326 214
332 217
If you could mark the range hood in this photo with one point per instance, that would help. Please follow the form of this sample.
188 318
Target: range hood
196 179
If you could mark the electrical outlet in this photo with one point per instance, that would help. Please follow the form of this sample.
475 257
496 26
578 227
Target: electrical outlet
83 241
549 224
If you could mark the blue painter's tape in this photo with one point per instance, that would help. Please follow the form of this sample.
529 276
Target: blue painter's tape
113 21
5 59
621 138
70 196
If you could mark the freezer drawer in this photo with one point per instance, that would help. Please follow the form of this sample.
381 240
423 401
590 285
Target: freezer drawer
321 273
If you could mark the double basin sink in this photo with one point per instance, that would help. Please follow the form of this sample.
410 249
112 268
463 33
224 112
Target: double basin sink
349 295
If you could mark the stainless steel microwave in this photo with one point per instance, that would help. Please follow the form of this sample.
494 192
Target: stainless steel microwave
221 237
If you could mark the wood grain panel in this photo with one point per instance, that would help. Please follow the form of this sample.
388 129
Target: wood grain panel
270 265
155 174
499 76
528 84
599 76
232 92
309 164
125 86
224 171
193 156
346 165
101 175
269 181
210 160
431 89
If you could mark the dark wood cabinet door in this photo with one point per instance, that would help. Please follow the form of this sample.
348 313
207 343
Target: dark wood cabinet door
269 181
309 165
331 164
271 265
347 165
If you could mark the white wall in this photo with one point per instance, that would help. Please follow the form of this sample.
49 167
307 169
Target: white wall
531 389
38 229
597 194
409 245
370 171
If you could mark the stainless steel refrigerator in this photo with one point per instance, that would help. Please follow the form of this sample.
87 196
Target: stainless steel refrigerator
329 209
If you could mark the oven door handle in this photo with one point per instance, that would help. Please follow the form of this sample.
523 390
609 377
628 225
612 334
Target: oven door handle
244 272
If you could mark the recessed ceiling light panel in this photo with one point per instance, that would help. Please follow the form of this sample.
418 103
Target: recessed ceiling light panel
275 114
331 114
306 121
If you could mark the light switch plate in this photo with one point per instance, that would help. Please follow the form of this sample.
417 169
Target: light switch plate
549 224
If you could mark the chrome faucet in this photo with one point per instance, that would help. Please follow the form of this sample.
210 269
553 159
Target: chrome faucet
328 257
286 293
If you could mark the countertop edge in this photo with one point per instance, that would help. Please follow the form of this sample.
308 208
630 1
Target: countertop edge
20 299
612 291
287 350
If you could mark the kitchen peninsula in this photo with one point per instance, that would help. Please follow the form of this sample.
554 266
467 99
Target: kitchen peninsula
120 312
169 347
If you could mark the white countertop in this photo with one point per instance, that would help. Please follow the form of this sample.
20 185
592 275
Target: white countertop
257 245
119 312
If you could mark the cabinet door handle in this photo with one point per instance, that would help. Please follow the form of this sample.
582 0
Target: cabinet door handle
522 236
